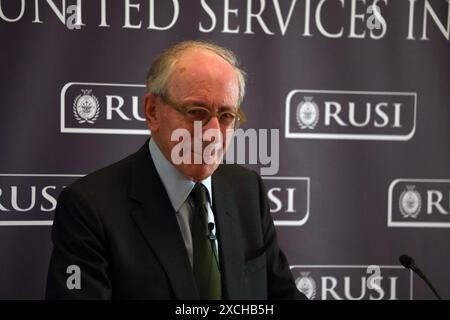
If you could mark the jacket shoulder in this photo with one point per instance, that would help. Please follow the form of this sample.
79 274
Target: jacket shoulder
113 176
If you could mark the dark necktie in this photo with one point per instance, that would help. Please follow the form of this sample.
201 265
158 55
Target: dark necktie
206 269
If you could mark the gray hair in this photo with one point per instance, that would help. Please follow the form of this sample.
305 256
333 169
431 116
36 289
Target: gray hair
162 67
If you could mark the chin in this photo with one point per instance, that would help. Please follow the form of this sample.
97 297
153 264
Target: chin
198 172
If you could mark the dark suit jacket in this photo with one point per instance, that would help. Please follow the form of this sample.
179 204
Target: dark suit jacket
119 227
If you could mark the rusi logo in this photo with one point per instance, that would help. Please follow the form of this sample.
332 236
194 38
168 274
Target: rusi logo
288 200
419 203
350 115
353 282
86 107
30 199
102 108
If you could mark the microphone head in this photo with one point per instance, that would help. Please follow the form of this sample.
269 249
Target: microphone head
406 261
210 226
409 263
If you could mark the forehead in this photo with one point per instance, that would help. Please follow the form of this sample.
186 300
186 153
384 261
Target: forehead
200 71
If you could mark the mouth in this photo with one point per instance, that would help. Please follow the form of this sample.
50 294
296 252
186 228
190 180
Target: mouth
212 156
212 147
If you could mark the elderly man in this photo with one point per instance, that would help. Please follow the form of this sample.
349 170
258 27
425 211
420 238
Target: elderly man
154 227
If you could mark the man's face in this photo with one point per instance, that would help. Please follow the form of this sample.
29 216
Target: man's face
200 78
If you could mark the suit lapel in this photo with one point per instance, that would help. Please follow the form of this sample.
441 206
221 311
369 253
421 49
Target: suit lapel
156 219
231 253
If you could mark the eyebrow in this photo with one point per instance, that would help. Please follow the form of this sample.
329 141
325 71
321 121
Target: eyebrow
198 103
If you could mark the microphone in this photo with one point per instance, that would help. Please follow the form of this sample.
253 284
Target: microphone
409 263
212 237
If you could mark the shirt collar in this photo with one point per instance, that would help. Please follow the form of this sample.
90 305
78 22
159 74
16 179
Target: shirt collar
177 186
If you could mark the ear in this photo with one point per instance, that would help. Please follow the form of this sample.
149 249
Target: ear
151 111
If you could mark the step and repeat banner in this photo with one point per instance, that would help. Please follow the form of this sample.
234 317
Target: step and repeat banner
355 94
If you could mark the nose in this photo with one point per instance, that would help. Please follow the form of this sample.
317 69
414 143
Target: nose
213 123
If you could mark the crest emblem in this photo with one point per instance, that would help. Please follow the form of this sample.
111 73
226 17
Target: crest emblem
307 113
410 202
86 107
306 285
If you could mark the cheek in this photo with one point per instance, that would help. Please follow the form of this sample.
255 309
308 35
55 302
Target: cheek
169 124
179 131
227 135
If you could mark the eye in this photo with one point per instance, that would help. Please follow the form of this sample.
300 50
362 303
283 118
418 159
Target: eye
197 113
227 117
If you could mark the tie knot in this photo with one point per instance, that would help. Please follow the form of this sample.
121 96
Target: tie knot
200 194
